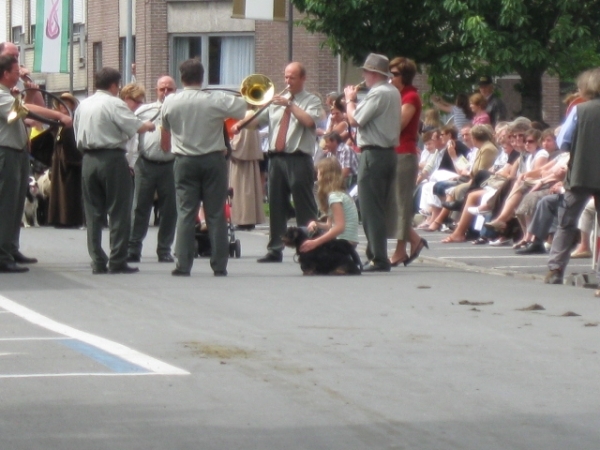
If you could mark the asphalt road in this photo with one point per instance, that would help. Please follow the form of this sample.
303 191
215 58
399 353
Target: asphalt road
269 359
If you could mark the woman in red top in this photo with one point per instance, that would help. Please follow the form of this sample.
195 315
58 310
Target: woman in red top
403 71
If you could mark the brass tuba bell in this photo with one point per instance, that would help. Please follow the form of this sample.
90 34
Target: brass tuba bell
18 110
257 89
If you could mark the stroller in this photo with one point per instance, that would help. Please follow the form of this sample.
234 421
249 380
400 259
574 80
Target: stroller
203 248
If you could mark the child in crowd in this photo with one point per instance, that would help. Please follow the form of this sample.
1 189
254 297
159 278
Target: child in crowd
342 216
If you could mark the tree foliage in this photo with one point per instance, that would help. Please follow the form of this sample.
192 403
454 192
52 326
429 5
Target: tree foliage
459 39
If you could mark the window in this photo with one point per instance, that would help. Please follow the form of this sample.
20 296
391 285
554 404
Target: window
227 59
122 52
32 33
16 35
97 54
78 28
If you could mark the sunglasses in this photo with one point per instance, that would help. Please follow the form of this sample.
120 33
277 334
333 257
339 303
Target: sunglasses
166 90
531 141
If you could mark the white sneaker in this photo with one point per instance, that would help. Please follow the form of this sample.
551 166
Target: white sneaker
473 210
500 242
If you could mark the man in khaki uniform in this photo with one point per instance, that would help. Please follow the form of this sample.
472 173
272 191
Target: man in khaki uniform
154 173
14 167
378 120
103 125
195 119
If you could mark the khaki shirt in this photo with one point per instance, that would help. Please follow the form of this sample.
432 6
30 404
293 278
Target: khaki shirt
149 143
195 119
12 135
298 136
378 117
104 121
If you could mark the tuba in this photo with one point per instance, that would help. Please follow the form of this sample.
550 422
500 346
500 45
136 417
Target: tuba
19 110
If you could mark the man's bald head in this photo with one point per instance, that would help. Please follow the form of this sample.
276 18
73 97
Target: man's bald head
9 49
165 86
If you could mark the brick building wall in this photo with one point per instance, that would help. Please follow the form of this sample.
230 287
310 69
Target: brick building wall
102 26
152 44
271 48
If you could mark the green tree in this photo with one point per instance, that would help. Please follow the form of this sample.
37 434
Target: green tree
460 39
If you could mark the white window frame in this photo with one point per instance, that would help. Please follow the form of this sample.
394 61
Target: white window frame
204 51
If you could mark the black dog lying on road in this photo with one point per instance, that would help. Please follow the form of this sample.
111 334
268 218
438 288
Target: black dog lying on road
336 257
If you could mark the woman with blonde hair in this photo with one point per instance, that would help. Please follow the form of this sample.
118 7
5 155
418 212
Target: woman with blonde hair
342 216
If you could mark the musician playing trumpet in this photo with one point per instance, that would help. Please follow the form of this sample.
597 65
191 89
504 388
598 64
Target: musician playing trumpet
292 119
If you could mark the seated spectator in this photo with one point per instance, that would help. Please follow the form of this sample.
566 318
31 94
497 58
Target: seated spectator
535 169
485 154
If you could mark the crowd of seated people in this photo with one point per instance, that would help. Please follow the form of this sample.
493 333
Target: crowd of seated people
496 186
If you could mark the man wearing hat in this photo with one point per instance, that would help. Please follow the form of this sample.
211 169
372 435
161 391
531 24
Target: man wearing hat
496 108
378 120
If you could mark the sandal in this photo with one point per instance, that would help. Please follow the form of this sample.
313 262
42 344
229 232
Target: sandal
521 244
452 240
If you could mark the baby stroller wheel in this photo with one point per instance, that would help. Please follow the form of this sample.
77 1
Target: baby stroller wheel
238 248
231 249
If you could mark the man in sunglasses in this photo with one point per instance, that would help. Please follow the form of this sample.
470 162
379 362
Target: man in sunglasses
154 173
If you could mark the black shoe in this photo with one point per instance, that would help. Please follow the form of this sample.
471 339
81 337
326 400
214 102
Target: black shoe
99 270
11 267
123 269
271 258
20 258
244 227
166 258
414 255
375 268
220 273
532 248
133 258
554 276
179 273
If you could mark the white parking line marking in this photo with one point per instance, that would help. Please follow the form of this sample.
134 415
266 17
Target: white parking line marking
78 374
126 353
61 338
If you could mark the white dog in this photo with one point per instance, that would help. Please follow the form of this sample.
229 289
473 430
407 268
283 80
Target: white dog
31 204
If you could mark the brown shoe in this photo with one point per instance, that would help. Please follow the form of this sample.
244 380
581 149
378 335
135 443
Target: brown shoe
554 276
